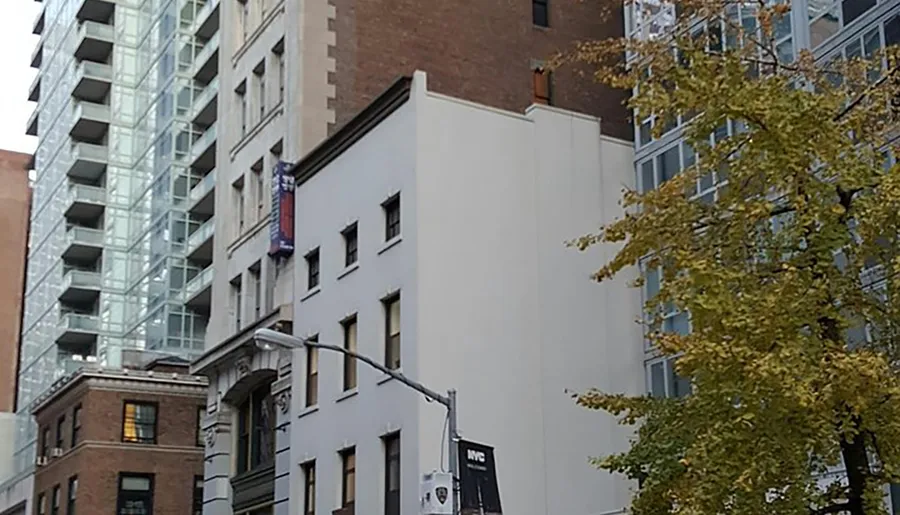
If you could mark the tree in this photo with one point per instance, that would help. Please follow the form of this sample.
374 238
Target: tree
789 270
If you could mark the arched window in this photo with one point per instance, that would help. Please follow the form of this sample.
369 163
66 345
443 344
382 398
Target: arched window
256 430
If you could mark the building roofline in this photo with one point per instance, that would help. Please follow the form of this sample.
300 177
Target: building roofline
324 153
66 384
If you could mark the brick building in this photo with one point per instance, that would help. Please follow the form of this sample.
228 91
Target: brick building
121 441
486 52
15 196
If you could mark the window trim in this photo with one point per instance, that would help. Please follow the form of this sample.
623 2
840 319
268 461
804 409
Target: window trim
60 442
309 483
42 504
155 405
387 440
151 490
350 362
55 499
313 275
392 230
345 473
76 425
386 304
70 499
351 233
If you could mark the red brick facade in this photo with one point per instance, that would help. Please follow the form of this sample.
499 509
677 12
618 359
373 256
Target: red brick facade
100 456
477 50
15 197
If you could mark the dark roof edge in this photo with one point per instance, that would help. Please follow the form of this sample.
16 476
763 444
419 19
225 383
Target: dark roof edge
352 131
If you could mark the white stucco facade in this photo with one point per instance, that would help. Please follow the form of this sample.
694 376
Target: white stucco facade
492 303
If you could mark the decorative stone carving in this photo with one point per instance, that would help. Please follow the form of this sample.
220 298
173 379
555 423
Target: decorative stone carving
243 366
210 437
284 401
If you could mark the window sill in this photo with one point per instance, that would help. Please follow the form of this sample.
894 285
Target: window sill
388 378
309 410
347 271
353 392
390 243
310 294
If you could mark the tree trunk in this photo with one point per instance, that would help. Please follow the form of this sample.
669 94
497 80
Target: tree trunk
857 462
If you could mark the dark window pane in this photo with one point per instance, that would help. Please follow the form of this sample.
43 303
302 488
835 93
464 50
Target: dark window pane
668 164
392 218
312 269
892 31
657 380
392 475
853 9
135 495
647 182
539 13
351 250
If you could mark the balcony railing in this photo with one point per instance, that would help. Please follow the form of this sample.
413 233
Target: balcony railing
202 188
88 194
81 279
89 152
78 322
96 30
201 235
202 15
34 91
202 100
84 236
203 143
211 47
199 283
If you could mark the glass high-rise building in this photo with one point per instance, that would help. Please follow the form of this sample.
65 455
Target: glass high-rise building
121 224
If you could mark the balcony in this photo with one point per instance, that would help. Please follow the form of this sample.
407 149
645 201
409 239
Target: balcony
202 197
32 128
76 330
95 42
197 292
90 121
34 91
95 10
200 242
92 81
203 111
80 287
88 161
203 152
83 244
68 365
206 23
37 55
38 26
206 64
85 202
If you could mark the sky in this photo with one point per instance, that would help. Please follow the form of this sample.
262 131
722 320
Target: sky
16 44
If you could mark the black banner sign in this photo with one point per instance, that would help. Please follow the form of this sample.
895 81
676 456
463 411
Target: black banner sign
478 488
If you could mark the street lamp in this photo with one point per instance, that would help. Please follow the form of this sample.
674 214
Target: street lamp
268 339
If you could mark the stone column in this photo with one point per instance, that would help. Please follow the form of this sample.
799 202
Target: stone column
217 462
281 391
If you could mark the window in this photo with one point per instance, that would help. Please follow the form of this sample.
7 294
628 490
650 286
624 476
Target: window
45 442
71 495
279 57
41 504
312 269
241 92
76 424
60 424
237 295
312 375
309 488
392 474
139 422
201 410
348 478
392 332
259 189
350 374
540 15
351 249
245 18
256 283
256 430
54 506
260 73
542 87
665 382
198 495
239 205
391 218
135 494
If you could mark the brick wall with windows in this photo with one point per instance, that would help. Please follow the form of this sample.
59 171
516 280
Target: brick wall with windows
483 52
100 455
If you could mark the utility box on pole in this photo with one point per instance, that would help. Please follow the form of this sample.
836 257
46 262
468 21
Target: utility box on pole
437 491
